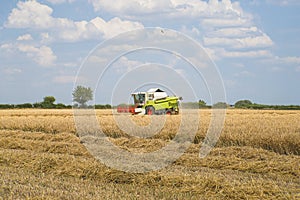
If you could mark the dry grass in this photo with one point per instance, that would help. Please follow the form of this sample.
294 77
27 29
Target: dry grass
257 157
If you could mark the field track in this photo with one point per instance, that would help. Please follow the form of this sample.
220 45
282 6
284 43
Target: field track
256 157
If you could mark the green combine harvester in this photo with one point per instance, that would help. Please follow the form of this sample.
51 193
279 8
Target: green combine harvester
155 101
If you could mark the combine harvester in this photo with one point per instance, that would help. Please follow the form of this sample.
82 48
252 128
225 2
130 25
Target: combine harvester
154 101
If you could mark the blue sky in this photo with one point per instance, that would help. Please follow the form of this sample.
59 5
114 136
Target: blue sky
254 44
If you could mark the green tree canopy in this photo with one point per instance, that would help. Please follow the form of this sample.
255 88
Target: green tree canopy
202 104
220 105
49 99
243 104
82 95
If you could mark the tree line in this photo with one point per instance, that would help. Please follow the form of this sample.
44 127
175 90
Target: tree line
247 104
47 103
81 95
241 104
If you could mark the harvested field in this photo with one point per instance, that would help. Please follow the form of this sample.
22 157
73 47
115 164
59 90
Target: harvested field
257 157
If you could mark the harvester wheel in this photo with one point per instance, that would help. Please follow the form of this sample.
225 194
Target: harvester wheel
150 110
169 112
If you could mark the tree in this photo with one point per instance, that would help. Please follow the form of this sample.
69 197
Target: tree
82 95
49 99
243 104
47 103
202 104
220 105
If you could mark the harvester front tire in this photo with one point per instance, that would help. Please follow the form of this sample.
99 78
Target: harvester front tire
150 110
169 112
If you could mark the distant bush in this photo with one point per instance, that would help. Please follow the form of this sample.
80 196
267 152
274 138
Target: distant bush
60 106
220 105
190 105
246 104
24 105
6 106
275 107
194 105
106 106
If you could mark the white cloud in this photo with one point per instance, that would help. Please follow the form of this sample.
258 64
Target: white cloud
244 54
131 6
170 8
42 55
283 2
30 14
244 73
11 71
221 24
230 83
238 65
7 47
70 64
64 79
33 15
291 60
280 64
60 1
124 65
235 32
277 69
212 53
240 43
25 37
45 38
283 60
114 26
212 13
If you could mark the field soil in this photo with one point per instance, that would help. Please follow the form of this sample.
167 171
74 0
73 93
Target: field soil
256 157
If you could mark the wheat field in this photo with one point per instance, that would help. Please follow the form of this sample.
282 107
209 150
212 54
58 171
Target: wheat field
256 157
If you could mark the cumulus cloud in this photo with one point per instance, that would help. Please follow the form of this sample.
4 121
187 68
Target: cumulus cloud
45 38
33 15
25 37
114 26
235 32
30 14
243 54
60 1
290 59
124 64
132 6
240 43
221 24
281 63
171 8
218 24
42 55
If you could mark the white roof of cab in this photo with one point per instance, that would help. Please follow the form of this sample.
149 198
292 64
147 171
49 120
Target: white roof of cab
152 90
